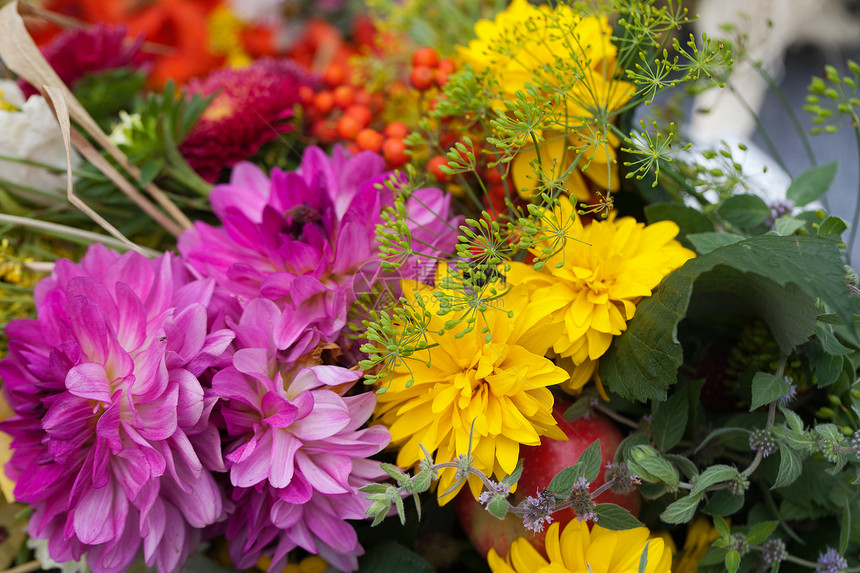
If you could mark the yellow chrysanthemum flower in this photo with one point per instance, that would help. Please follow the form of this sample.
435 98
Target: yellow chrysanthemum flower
580 550
559 51
598 273
700 534
500 385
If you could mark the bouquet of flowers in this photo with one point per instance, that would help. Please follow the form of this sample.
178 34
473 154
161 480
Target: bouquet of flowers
369 286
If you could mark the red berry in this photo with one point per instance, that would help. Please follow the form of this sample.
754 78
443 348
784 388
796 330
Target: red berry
425 56
394 152
447 65
434 166
344 96
422 78
348 127
362 97
306 95
396 129
369 140
334 75
324 102
360 112
441 77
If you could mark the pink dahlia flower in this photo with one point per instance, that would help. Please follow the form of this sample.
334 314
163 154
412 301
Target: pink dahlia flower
112 445
295 449
80 51
252 106
299 238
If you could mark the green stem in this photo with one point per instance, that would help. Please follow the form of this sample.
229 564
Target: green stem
856 218
760 126
73 234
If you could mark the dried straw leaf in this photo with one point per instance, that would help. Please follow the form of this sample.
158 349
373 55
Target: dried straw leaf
20 54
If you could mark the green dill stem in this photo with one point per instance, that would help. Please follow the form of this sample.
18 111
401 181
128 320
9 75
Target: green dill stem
856 218
73 234
789 110
764 135
187 177
47 166
609 412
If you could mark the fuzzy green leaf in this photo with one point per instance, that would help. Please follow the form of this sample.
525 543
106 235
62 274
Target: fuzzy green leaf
713 475
614 517
670 421
744 211
733 561
766 388
498 507
704 243
759 532
789 467
777 277
812 184
681 510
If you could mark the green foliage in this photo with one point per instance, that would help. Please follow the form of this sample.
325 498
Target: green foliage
780 275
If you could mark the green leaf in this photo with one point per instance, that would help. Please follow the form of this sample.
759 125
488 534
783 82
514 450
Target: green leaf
759 532
788 225
792 420
589 461
510 480
744 211
827 369
670 421
706 242
687 467
724 502
656 467
713 475
614 517
789 467
643 559
374 488
812 184
733 561
722 527
828 340
150 170
832 227
766 388
392 556
562 483
689 220
498 507
643 361
681 510
394 472
578 409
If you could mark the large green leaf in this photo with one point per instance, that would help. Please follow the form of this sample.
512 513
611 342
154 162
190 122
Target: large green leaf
811 184
776 277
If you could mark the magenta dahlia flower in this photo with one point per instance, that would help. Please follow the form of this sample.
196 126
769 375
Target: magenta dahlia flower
299 238
295 450
252 106
112 444
80 51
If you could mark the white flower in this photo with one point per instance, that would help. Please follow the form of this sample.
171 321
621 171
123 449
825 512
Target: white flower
28 130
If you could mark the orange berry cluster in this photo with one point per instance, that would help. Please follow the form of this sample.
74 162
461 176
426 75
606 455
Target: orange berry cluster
428 70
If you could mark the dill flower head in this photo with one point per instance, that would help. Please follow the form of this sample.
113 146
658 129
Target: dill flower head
565 56
112 443
596 275
578 548
252 106
500 384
